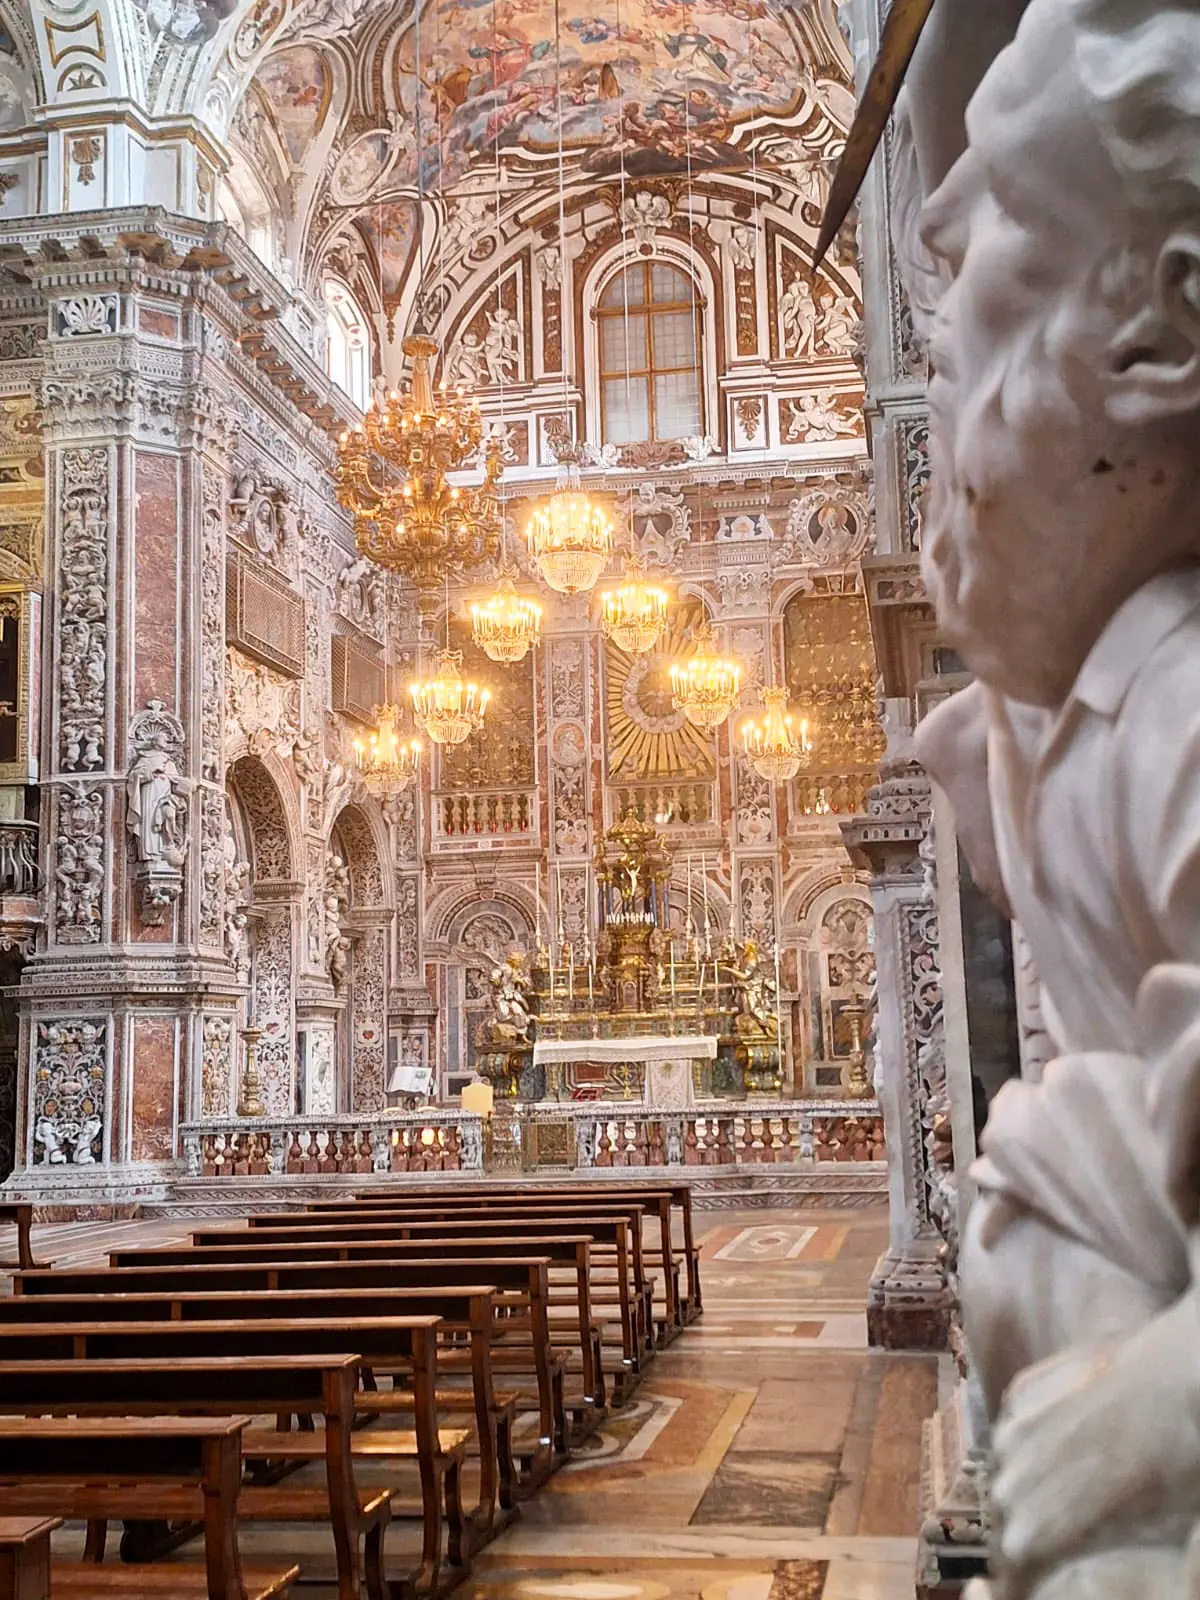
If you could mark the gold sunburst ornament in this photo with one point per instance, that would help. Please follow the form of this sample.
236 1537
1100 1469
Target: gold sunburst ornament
507 625
446 706
634 615
705 687
775 747
388 763
570 538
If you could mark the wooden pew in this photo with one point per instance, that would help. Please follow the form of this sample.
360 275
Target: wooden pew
522 1279
22 1216
502 1210
465 1311
541 1190
412 1341
88 1469
614 1229
236 1386
569 1251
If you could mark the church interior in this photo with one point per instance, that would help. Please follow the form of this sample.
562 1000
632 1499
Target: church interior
476 930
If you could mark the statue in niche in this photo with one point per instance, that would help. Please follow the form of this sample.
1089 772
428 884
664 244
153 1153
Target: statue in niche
1061 551
156 808
756 992
337 898
510 1020
360 593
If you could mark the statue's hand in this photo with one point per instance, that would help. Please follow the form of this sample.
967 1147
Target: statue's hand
1097 1441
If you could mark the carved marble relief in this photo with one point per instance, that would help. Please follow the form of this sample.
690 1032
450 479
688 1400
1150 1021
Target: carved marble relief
80 868
216 1066
83 610
70 1067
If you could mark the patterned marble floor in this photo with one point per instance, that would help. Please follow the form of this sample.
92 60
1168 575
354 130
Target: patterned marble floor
767 1456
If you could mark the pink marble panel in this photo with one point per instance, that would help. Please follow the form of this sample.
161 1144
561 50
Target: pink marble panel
153 1089
156 579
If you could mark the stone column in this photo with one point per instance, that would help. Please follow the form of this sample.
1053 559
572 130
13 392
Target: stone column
909 1301
118 1002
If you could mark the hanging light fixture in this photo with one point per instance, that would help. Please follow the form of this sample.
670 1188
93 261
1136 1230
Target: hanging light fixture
388 763
507 625
774 746
706 685
391 473
570 538
445 705
634 615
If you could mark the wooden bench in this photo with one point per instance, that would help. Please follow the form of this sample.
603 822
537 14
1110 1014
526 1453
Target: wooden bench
540 1191
503 1210
522 1280
569 1251
230 1387
22 1216
468 1311
94 1469
615 1230
408 1342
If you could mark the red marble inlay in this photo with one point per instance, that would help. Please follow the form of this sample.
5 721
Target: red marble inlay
153 1137
165 324
156 579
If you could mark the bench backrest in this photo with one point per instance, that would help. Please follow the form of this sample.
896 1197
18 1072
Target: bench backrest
214 1386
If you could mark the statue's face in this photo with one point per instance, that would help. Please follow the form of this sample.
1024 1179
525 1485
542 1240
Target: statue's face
1039 516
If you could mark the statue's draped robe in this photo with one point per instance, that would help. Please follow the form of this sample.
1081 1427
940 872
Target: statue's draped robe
1096 817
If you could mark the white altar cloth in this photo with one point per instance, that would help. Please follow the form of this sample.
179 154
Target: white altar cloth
667 1058
649 1047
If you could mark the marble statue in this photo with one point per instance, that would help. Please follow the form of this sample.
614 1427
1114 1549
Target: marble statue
510 1021
1058 261
756 992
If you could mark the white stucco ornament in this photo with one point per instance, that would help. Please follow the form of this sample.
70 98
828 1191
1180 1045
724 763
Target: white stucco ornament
1060 258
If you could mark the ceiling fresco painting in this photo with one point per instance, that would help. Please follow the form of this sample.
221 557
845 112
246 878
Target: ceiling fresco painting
299 85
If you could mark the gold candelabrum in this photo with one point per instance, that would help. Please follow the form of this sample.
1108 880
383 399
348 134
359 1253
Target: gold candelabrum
251 1103
858 1084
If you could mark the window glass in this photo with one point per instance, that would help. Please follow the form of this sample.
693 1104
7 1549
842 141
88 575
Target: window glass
649 356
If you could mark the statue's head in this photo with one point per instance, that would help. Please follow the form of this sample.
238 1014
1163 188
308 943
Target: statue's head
1065 394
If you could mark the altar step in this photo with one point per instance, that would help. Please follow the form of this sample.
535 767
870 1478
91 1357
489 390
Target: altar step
824 1184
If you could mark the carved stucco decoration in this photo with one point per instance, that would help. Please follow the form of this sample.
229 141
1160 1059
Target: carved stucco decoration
662 526
263 517
262 708
216 1066
829 527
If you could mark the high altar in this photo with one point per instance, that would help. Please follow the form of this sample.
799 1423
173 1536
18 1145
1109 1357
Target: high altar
642 1011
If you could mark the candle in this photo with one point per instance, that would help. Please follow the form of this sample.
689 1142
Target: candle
571 976
537 895
707 929
672 974
691 926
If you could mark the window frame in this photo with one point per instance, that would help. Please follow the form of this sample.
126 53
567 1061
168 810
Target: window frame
340 299
647 309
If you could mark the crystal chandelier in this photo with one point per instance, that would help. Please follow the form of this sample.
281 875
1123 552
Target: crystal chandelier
506 625
388 764
391 473
447 707
570 539
774 747
634 615
705 686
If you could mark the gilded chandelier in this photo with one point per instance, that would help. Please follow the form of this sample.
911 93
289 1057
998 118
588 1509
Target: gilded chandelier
391 474
388 763
634 615
507 624
706 685
773 745
570 539
445 705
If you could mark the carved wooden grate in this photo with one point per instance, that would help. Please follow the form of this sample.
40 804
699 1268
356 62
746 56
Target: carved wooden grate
358 681
264 617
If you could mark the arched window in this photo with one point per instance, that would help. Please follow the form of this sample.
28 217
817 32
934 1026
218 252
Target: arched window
650 355
348 353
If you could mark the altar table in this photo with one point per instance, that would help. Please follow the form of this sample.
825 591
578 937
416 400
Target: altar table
667 1059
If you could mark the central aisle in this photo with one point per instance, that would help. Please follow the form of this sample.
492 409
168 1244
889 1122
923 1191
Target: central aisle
768 1455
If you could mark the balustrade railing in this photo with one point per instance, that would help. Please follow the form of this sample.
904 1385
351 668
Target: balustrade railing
476 816
666 805
18 858
800 1132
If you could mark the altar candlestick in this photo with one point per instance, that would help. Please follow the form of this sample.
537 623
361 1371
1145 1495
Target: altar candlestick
778 1004
672 973
537 901
707 926
571 977
691 926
